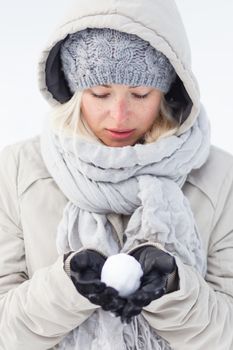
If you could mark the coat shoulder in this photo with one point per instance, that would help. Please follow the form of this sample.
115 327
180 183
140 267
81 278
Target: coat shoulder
28 162
215 173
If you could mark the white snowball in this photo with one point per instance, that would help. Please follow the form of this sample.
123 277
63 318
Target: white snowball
122 272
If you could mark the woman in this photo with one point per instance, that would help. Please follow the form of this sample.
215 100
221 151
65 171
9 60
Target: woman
123 165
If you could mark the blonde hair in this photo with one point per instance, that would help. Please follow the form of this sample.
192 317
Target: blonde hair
67 121
164 124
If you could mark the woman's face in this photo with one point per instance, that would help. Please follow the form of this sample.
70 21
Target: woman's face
120 115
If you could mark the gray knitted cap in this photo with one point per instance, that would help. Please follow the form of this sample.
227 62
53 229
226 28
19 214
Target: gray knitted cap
104 56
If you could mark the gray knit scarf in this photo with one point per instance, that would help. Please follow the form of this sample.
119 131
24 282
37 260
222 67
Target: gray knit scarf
142 181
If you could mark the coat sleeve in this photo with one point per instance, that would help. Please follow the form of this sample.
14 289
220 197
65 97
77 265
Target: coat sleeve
200 314
34 313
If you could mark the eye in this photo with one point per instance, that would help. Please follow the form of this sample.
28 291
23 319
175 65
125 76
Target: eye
99 96
140 96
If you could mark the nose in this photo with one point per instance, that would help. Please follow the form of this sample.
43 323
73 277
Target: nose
120 109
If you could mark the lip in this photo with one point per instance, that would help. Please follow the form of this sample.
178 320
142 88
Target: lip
120 134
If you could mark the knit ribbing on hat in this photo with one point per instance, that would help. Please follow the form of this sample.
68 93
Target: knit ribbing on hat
104 56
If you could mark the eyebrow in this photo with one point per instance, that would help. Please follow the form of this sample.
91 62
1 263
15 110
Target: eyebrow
131 87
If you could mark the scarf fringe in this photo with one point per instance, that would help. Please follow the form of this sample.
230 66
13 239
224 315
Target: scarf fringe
113 335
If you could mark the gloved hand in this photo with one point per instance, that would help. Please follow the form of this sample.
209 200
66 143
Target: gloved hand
86 267
156 265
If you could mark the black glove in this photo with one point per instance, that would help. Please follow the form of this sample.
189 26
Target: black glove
156 265
86 269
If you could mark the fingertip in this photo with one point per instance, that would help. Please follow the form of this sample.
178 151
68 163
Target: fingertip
111 291
127 320
159 293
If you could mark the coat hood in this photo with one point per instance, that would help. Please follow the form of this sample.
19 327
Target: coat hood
155 21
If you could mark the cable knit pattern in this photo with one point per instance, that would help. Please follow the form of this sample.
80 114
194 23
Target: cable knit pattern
106 56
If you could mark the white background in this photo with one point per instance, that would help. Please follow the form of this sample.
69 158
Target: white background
26 25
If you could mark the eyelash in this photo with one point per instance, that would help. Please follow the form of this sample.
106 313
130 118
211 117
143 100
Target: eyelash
140 96
135 95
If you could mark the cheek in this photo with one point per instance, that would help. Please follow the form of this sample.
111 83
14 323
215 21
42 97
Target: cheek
92 114
155 107
88 110
150 112
86 106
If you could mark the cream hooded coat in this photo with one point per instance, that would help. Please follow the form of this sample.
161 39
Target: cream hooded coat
38 303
